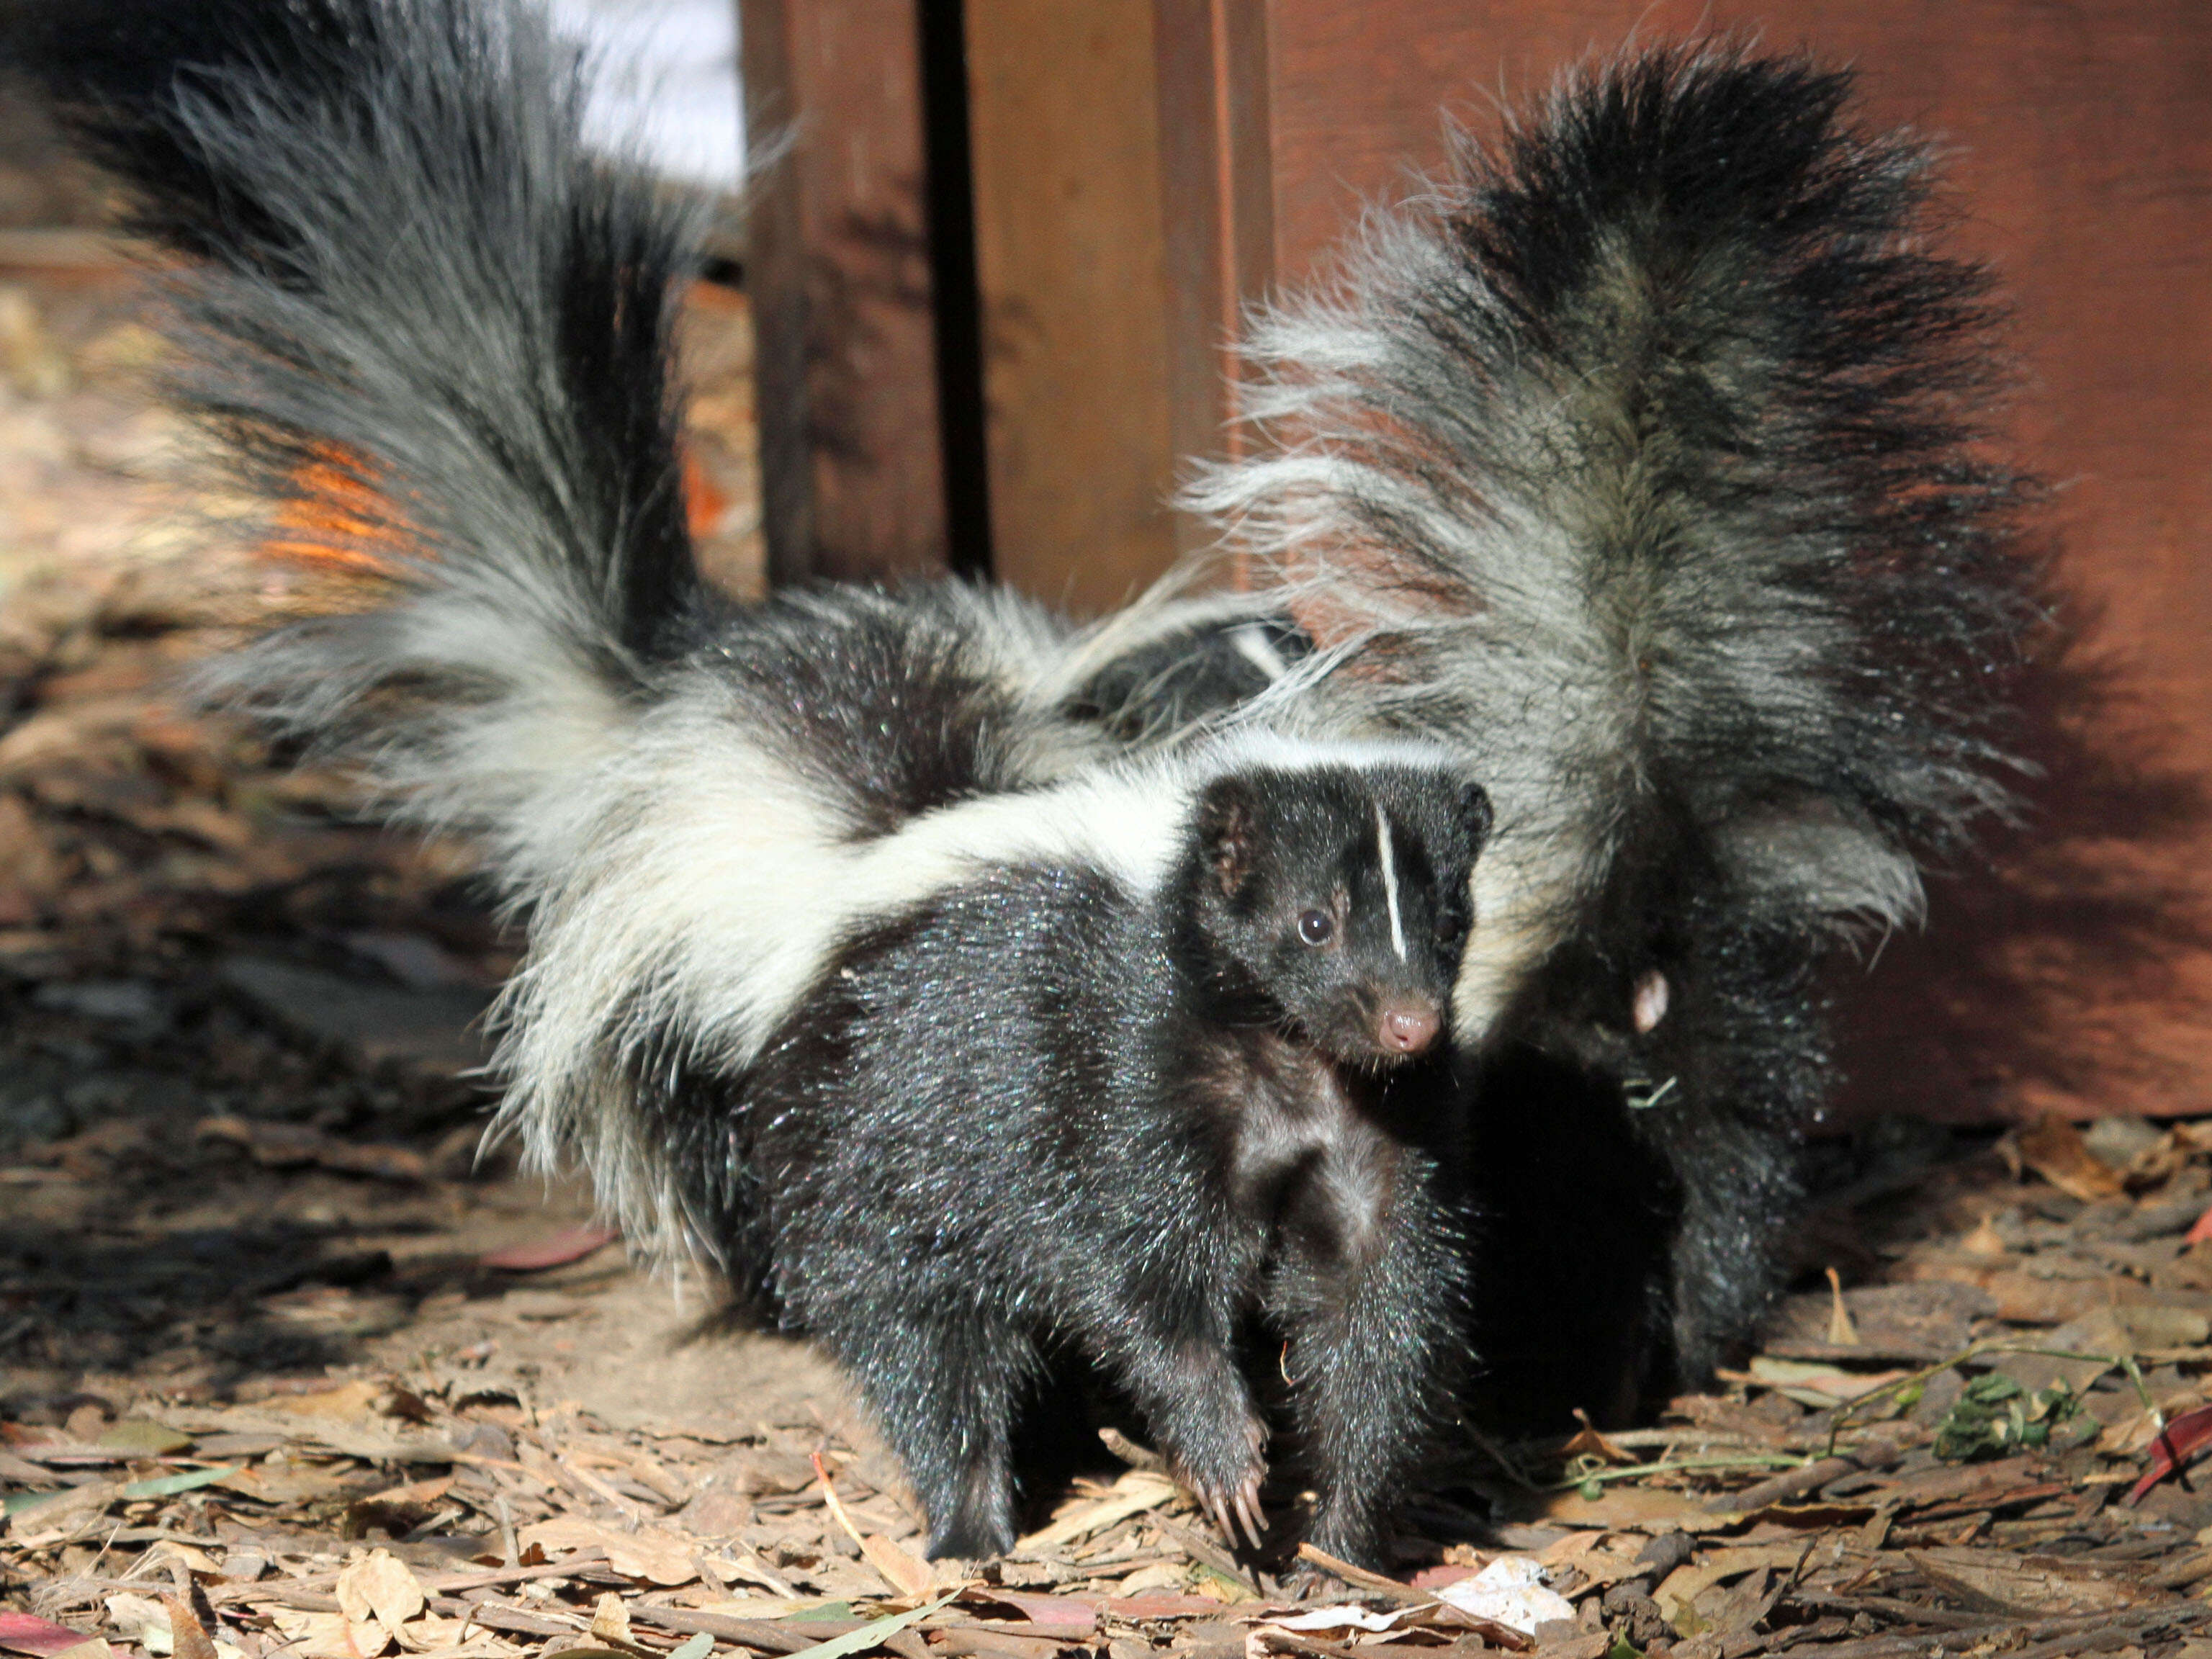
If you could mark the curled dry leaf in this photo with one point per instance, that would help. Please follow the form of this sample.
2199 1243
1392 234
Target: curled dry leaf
1842 1329
2052 1147
650 1553
1061 1618
142 1621
1587 1442
324 1635
1133 1494
901 1570
554 1251
1717 1566
1346 1617
189 1636
2181 1440
1811 1384
377 1594
611 1618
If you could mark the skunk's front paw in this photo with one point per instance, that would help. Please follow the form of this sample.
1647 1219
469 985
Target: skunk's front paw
1227 1485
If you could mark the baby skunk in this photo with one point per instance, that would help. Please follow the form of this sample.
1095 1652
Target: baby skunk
1128 1090
1641 463
852 964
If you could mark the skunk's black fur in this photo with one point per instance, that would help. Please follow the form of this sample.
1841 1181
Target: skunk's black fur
855 962
1047 1103
1640 462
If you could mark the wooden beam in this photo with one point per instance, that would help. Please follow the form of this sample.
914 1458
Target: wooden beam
839 270
1218 210
1071 258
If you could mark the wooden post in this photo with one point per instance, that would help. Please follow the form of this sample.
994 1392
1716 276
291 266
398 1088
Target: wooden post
1217 209
840 272
1070 257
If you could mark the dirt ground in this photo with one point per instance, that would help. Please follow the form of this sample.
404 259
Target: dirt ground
287 1367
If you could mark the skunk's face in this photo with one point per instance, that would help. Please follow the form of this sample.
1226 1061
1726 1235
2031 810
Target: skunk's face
1341 893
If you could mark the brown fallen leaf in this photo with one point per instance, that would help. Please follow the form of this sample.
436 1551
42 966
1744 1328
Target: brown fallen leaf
2052 1147
901 1570
1589 1443
1981 1482
286 1485
1394 1590
1582 1551
1843 1330
1733 1614
1810 1383
1133 1494
63 1508
554 1251
650 1553
349 1400
978 1642
1060 1618
378 1594
186 1631
398 1508
1715 1566
2018 1297
1625 1508
33 873
1986 1240
610 1620
141 1438
322 1635
1137 1608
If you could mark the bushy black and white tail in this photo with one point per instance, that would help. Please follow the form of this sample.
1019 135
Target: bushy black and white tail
432 333
1637 459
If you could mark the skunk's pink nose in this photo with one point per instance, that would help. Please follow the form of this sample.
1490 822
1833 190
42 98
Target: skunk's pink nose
1409 1027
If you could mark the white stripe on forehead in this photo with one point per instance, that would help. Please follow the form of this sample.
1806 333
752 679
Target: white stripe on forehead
1389 880
1253 645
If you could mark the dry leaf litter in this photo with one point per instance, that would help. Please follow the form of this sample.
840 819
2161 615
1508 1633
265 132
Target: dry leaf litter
286 1368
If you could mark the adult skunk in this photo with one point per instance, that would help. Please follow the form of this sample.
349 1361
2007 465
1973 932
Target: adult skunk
855 962
1639 461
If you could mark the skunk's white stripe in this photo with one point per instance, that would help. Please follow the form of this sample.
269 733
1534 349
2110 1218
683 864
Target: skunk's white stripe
1389 880
1253 645
704 882
1282 751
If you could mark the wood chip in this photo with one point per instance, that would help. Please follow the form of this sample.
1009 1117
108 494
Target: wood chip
1999 1582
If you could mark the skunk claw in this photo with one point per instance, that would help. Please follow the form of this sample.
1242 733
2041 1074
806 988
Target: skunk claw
1247 1510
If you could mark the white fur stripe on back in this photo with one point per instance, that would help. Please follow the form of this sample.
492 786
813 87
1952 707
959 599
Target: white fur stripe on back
1389 880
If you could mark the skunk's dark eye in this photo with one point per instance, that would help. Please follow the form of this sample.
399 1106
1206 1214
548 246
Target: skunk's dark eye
1315 927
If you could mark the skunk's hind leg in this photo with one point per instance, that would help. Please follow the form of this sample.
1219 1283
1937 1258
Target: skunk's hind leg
944 1377
1741 1189
1370 1307
1752 1059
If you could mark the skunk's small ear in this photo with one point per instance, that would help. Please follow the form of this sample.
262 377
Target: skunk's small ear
1474 813
1229 832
